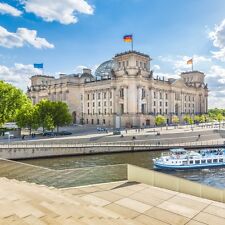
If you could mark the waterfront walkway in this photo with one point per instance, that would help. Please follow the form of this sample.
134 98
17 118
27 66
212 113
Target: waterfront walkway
118 203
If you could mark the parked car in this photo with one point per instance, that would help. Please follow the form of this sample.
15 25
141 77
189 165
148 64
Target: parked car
102 129
64 133
49 134
117 132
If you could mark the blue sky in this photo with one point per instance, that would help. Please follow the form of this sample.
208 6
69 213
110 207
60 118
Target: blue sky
76 33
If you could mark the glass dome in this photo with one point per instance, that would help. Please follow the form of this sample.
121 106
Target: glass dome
105 69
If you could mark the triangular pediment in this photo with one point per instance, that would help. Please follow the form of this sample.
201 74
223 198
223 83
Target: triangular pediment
179 83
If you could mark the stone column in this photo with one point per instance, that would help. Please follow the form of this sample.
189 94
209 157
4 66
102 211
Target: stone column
126 99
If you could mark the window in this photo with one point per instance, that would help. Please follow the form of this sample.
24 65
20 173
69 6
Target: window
154 94
189 98
215 160
166 111
154 111
191 161
103 121
197 161
203 161
142 93
88 104
160 94
104 103
160 103
209 160
93 104
99 95
81 97
110 103
88 96
93 96
166 103
160 111
99 104
111 111
121 93
97 121
185 97
92 121
110 94
88 111
87 121
166 96
104 95
143 108
93 112
105 111
154 103
99 111
121 108
220 160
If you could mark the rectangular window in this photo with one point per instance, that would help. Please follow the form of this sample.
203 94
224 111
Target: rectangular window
87 121
103 121
154 103
99 104
166 96
160 103
93 96
88 97
92 121
154 94
121 93
99 95
105 95
97 121
104 103
121 108
93 104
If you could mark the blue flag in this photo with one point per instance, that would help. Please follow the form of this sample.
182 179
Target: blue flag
38 65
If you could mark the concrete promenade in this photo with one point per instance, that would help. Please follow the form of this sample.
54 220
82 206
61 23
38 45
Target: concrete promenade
118 203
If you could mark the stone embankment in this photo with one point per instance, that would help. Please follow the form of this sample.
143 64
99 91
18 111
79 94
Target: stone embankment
209 139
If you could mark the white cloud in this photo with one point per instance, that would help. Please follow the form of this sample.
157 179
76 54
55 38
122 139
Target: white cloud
79 69
63 11
218 38
22 37
156 67
8 9
18 75
179 62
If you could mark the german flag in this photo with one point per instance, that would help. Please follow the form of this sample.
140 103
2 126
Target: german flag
190 61
128 38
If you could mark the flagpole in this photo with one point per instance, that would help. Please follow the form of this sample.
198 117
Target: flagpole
132 43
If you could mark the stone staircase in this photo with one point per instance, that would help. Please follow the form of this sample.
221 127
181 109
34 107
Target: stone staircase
27 203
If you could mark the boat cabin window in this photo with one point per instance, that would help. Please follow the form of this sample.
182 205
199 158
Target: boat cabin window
197 161
209 160
220 160
214 160
203 161
191 161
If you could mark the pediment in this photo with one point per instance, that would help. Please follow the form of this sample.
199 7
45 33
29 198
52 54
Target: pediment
179 83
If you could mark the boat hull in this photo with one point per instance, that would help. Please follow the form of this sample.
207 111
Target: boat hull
185 167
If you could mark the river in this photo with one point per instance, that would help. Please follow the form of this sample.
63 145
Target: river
213 177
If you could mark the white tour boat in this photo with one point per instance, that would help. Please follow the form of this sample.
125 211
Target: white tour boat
183 159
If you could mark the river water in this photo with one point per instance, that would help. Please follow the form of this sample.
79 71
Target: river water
213 177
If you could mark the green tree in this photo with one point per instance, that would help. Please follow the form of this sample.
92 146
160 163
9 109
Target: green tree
52 115
187 119
26 117
197 119
44 112
61 115
175 119
11 100
160 120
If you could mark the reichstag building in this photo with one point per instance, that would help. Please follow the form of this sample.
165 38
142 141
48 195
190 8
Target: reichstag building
124 92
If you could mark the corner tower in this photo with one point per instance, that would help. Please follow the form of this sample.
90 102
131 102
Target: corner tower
132 63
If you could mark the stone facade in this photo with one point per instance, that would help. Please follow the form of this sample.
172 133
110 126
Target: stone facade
124 93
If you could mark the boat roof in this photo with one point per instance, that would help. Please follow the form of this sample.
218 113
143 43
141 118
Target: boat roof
176 150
